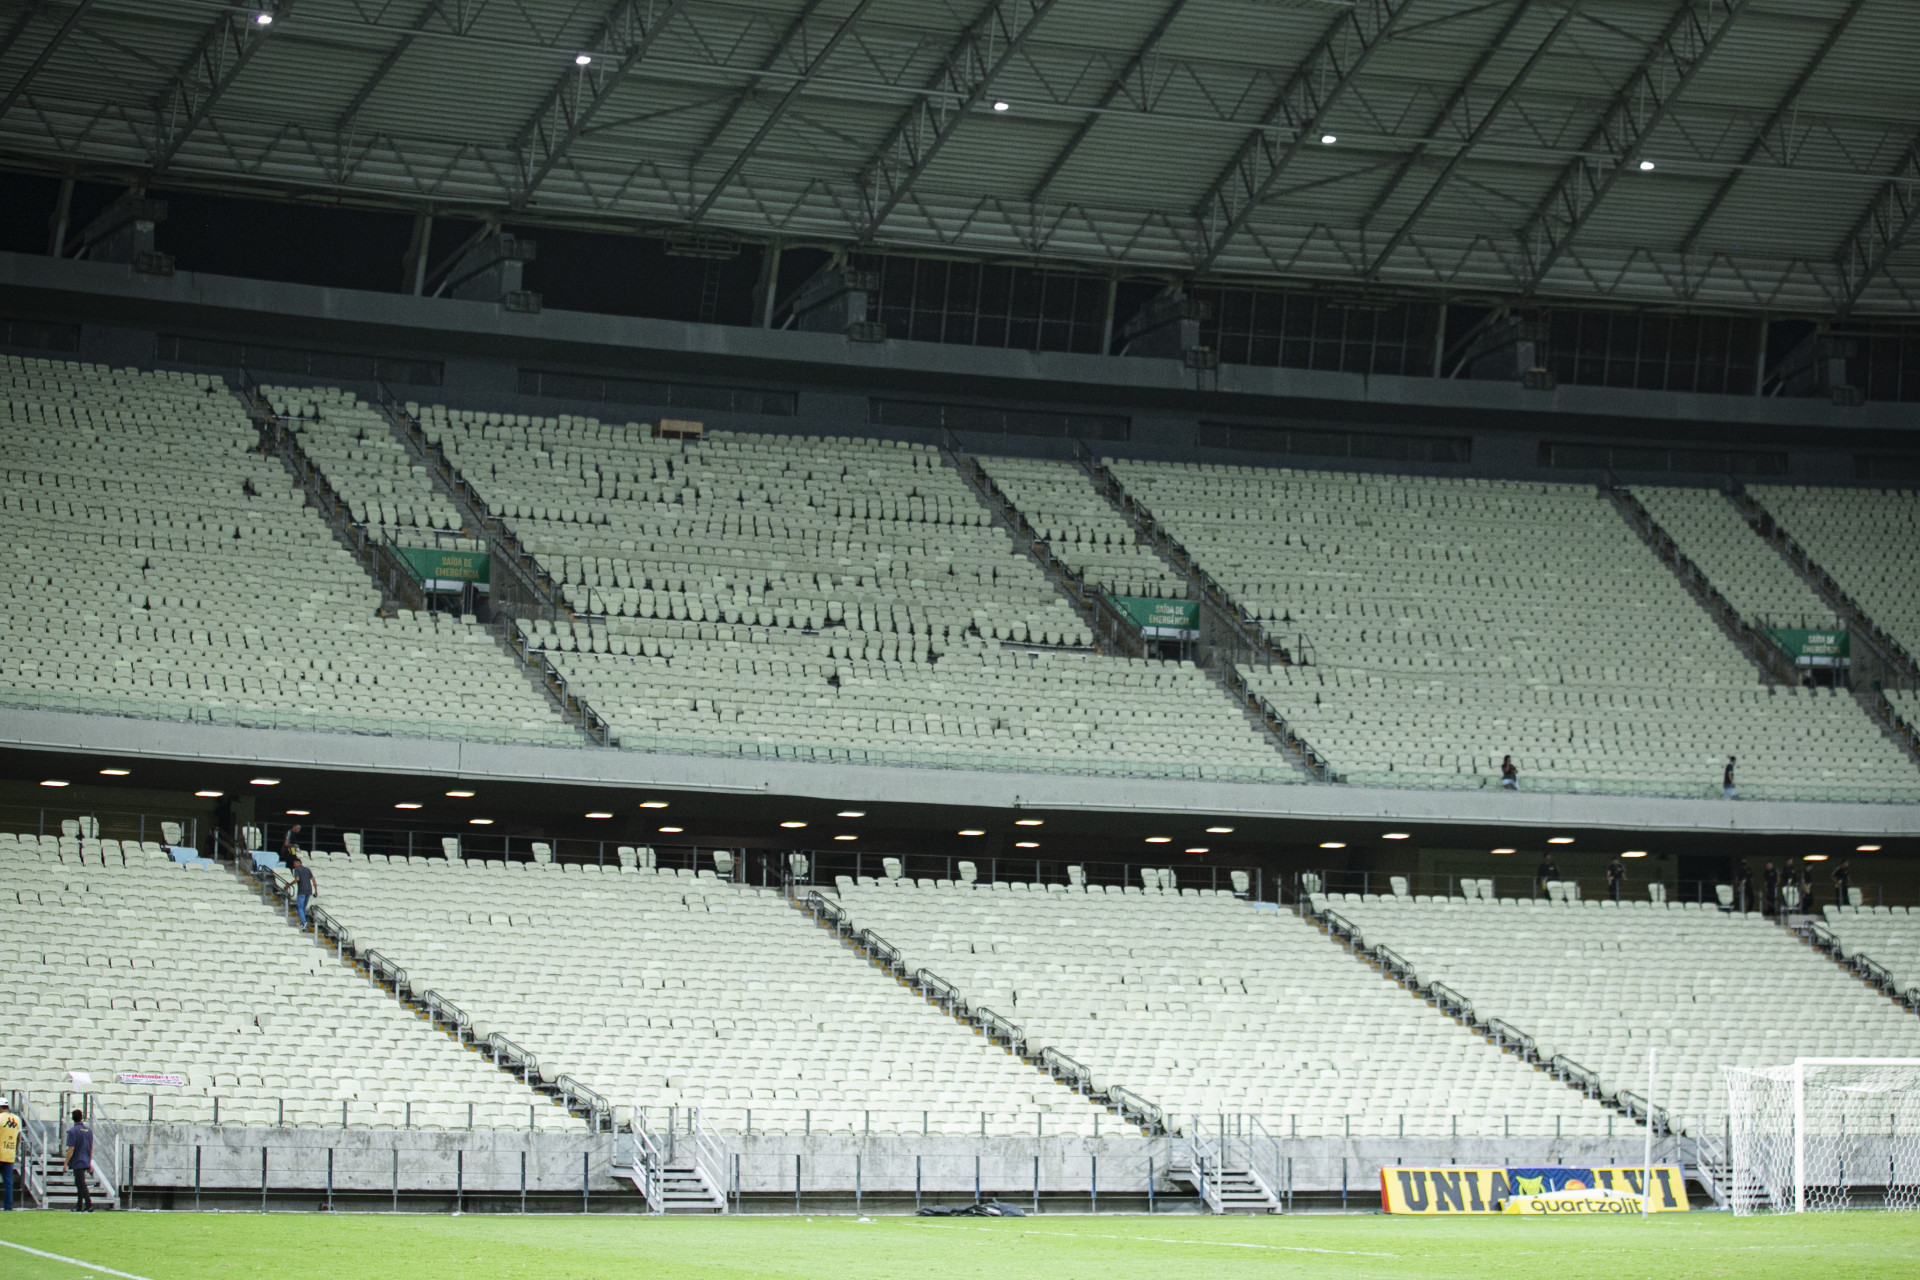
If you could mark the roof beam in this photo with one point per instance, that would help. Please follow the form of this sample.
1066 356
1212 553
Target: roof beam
787 99
1774 121
1637 110
788 39
1882 229
625 37
226 47
982 52
380 73
1454 99
1313 89
1107 99
1479 131
59 38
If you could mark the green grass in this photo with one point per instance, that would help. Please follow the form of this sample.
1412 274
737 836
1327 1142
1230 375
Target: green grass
183 1246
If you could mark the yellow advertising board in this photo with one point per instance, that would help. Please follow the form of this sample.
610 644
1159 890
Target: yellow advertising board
1458 1190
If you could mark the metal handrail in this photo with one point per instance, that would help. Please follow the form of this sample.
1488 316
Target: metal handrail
1872 970
505 1053
382 970
577 1095
1450 1000
648 1162
878 948
1134 1107
1395 963
708 1155
444 1012
1567 1071
828 912
1339 925
1505 1033
1062 1067
997 1028
940 991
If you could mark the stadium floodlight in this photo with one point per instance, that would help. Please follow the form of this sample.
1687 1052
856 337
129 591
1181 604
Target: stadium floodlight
55 782
1859 848
1646 166
793 826
1807 1136
1000 106
671 831
653 804
1159 839
460 795
1328 139
1198 849
1333 844
299 813
1398 835
121 773
409 804
1815 857
599 814
1634 853
204 795
582 59
263 782
1026 844
1028 822
1506 851
263 18
851 813
973 831
846 837
1559 839
1219 831
479 822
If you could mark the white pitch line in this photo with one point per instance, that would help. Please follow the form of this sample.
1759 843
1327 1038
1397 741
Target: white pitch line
1222 1244
61 1257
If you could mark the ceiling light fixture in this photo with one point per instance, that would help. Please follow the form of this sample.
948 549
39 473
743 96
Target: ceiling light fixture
62 782
298 813
1559 839
1815 857
1866 848
1026 844
460 795
851 813
1219 831
1398 835
1198 849
999 106
204 795
1505 851
1646 166
1333 844
408 804
671 831
653 804
582 59
479 822
1328 139
121 773
1159 839
793 826
973 831
1027 822
846 837
263 782
263 19
598 814
1634 853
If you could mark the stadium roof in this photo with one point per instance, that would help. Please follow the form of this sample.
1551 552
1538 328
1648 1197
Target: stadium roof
1479 148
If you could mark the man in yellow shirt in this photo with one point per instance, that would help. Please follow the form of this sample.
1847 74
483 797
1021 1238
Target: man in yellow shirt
9 1148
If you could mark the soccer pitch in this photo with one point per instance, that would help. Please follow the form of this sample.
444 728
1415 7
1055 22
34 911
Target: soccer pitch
237 1246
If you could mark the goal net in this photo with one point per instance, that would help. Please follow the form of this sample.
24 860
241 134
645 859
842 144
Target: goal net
1825 1133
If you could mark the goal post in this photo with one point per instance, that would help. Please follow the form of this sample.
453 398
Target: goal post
1824 1133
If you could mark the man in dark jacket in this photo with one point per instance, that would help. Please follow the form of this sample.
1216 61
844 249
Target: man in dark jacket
79 1161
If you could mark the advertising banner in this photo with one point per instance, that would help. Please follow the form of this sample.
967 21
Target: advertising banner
1166 619
1814 648
434 564
1457 1190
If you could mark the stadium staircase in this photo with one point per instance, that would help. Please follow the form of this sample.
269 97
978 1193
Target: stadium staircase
676 1172
520 591
996 1028
1230 636
1220 1159
1823 937
1773 664
39 1179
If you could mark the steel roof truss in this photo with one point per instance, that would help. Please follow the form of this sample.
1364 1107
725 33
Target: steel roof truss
59 38
1882 229
1135 66
225 48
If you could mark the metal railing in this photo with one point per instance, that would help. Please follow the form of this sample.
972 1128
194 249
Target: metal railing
1000 1030
941 992
1067 1069
646 1161
709 1156
1132 1106
508 1056
574 707
595 1107
447 1016
1569 1072
386 973
1451 1001
1506 1035
882 952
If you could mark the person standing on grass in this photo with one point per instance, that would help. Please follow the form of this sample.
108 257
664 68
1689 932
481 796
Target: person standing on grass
302 888
79 1159
9 1150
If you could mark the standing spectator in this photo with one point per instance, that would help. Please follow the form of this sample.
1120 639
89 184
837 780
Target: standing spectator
302 887
290 846
1771 880
1843 883
79 1159
9 1150
1806 890
1616 873
1509 775
1545 872
1743 880
1727 788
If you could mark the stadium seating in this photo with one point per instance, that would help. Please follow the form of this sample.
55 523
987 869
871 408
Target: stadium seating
1202 1005
118 959
160 566
823 599
368 466
1755 578
1081 526
1868 539
1599 984
1451 622
1888 936
697 992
